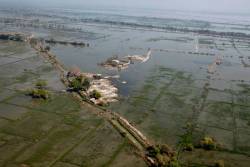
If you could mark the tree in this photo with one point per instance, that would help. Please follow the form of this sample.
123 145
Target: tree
80 83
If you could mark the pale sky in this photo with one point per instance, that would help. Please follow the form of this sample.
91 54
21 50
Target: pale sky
242 6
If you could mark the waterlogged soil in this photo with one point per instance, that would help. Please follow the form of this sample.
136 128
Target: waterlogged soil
170 99
160 97
174 88
57 132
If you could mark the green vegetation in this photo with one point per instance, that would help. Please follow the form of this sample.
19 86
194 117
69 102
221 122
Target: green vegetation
41 84
95 94
153 151
76 84
164 156
80 83
208 143
39 93
186 140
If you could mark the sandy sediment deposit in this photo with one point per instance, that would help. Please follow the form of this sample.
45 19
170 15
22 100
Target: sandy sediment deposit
109 93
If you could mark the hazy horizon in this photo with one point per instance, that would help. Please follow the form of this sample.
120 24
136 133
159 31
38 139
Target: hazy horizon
223 6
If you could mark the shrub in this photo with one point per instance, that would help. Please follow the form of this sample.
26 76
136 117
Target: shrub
39 93
95 94
186 140
208 143
153 151
86 83
188 147
80 83
164 156
41 84
161 160
165 149
174 163
76 84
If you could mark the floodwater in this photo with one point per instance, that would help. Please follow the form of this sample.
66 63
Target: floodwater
173 87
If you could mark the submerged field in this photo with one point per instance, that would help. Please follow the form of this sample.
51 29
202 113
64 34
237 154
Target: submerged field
174 88
57 132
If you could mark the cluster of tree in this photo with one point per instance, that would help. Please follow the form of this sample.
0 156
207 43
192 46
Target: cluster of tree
79 83
163 156
40 91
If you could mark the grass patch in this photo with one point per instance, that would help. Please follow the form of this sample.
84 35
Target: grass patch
95 94
79 83
208 143
186 140
39 93
41 84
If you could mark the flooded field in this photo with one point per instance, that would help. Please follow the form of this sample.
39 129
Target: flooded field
198 74
58 132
